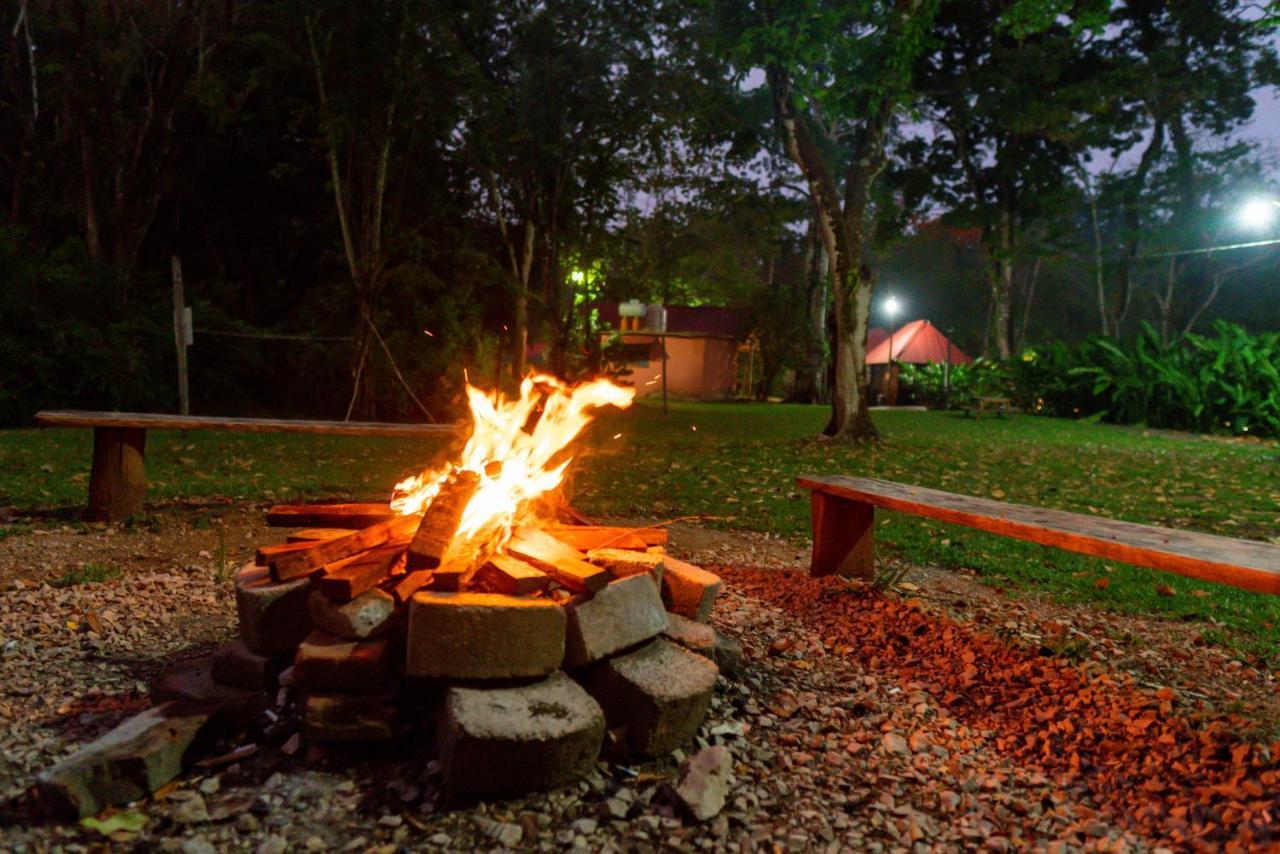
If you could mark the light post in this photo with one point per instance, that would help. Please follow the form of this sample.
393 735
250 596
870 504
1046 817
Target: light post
891 308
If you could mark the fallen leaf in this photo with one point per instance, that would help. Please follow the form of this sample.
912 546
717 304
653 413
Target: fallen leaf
131 822
1102 583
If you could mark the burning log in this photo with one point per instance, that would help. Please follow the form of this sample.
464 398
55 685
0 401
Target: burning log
510 575
316 555
586 538
408 584
350 577
308 534
565 564
440 521
265 554
349 516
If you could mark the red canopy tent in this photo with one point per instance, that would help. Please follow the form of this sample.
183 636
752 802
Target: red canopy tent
916 342
875 335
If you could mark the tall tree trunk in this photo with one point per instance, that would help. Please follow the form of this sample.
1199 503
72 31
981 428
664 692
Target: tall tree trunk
1002 283
92 235
810 377
1132 214
522 300
841 230
1028 296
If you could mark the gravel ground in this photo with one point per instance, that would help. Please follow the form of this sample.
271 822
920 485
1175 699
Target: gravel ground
832 750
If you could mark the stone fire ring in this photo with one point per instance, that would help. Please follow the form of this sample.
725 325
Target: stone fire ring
530 684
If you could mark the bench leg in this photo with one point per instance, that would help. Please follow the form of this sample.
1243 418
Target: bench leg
843 537
118 480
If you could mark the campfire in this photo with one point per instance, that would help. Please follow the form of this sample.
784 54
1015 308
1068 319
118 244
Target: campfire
548 638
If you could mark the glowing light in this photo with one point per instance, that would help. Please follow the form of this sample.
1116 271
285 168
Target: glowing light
516 462
577 277
617 435
892 306
429 333
1259 214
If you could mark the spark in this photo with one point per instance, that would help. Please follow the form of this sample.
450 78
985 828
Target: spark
429 333
693 427
617 435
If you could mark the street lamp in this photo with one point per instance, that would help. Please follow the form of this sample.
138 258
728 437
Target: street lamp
1258 214
891 307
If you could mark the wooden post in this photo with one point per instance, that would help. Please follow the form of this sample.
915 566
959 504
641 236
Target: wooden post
662 341
180 337
843 537
118 479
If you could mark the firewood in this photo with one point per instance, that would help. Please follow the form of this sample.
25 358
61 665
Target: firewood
565 564
316 555
308 534
265 554
510 575
346 579
440 521
408 584
588 537
350 516
457 568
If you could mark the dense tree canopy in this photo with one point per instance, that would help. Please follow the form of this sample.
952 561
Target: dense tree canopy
371 200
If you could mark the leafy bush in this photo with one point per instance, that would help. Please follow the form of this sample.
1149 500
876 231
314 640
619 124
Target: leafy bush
930 384
1227 381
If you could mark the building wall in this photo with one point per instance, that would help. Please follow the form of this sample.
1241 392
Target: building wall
697 368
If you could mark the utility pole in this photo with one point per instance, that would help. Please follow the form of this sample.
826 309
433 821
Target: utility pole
182 336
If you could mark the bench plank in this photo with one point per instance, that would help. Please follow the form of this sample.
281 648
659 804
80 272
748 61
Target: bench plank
1247 564
160 421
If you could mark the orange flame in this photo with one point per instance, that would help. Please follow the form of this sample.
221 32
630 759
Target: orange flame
516 463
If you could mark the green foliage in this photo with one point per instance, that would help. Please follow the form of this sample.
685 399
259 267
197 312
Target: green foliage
69 337
1227 382
930 383
90 573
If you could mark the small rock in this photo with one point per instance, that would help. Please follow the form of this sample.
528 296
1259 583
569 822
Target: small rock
248 823
236 665
728 654
210 785
191 811
704 782
273 615
366 616
198 845
894 743
127 764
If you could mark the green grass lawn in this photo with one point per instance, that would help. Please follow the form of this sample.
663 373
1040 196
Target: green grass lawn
740 464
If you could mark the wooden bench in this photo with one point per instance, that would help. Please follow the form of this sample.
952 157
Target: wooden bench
1001 405
844 524
118 479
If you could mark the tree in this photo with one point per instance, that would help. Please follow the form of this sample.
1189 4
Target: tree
376 66
1181 70
840 78
1002 153
111 80
567 102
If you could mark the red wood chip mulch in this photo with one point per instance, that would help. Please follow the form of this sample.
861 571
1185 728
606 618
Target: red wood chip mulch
1183 777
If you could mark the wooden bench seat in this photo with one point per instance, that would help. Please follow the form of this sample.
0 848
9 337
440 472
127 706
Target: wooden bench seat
843 533
118 479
